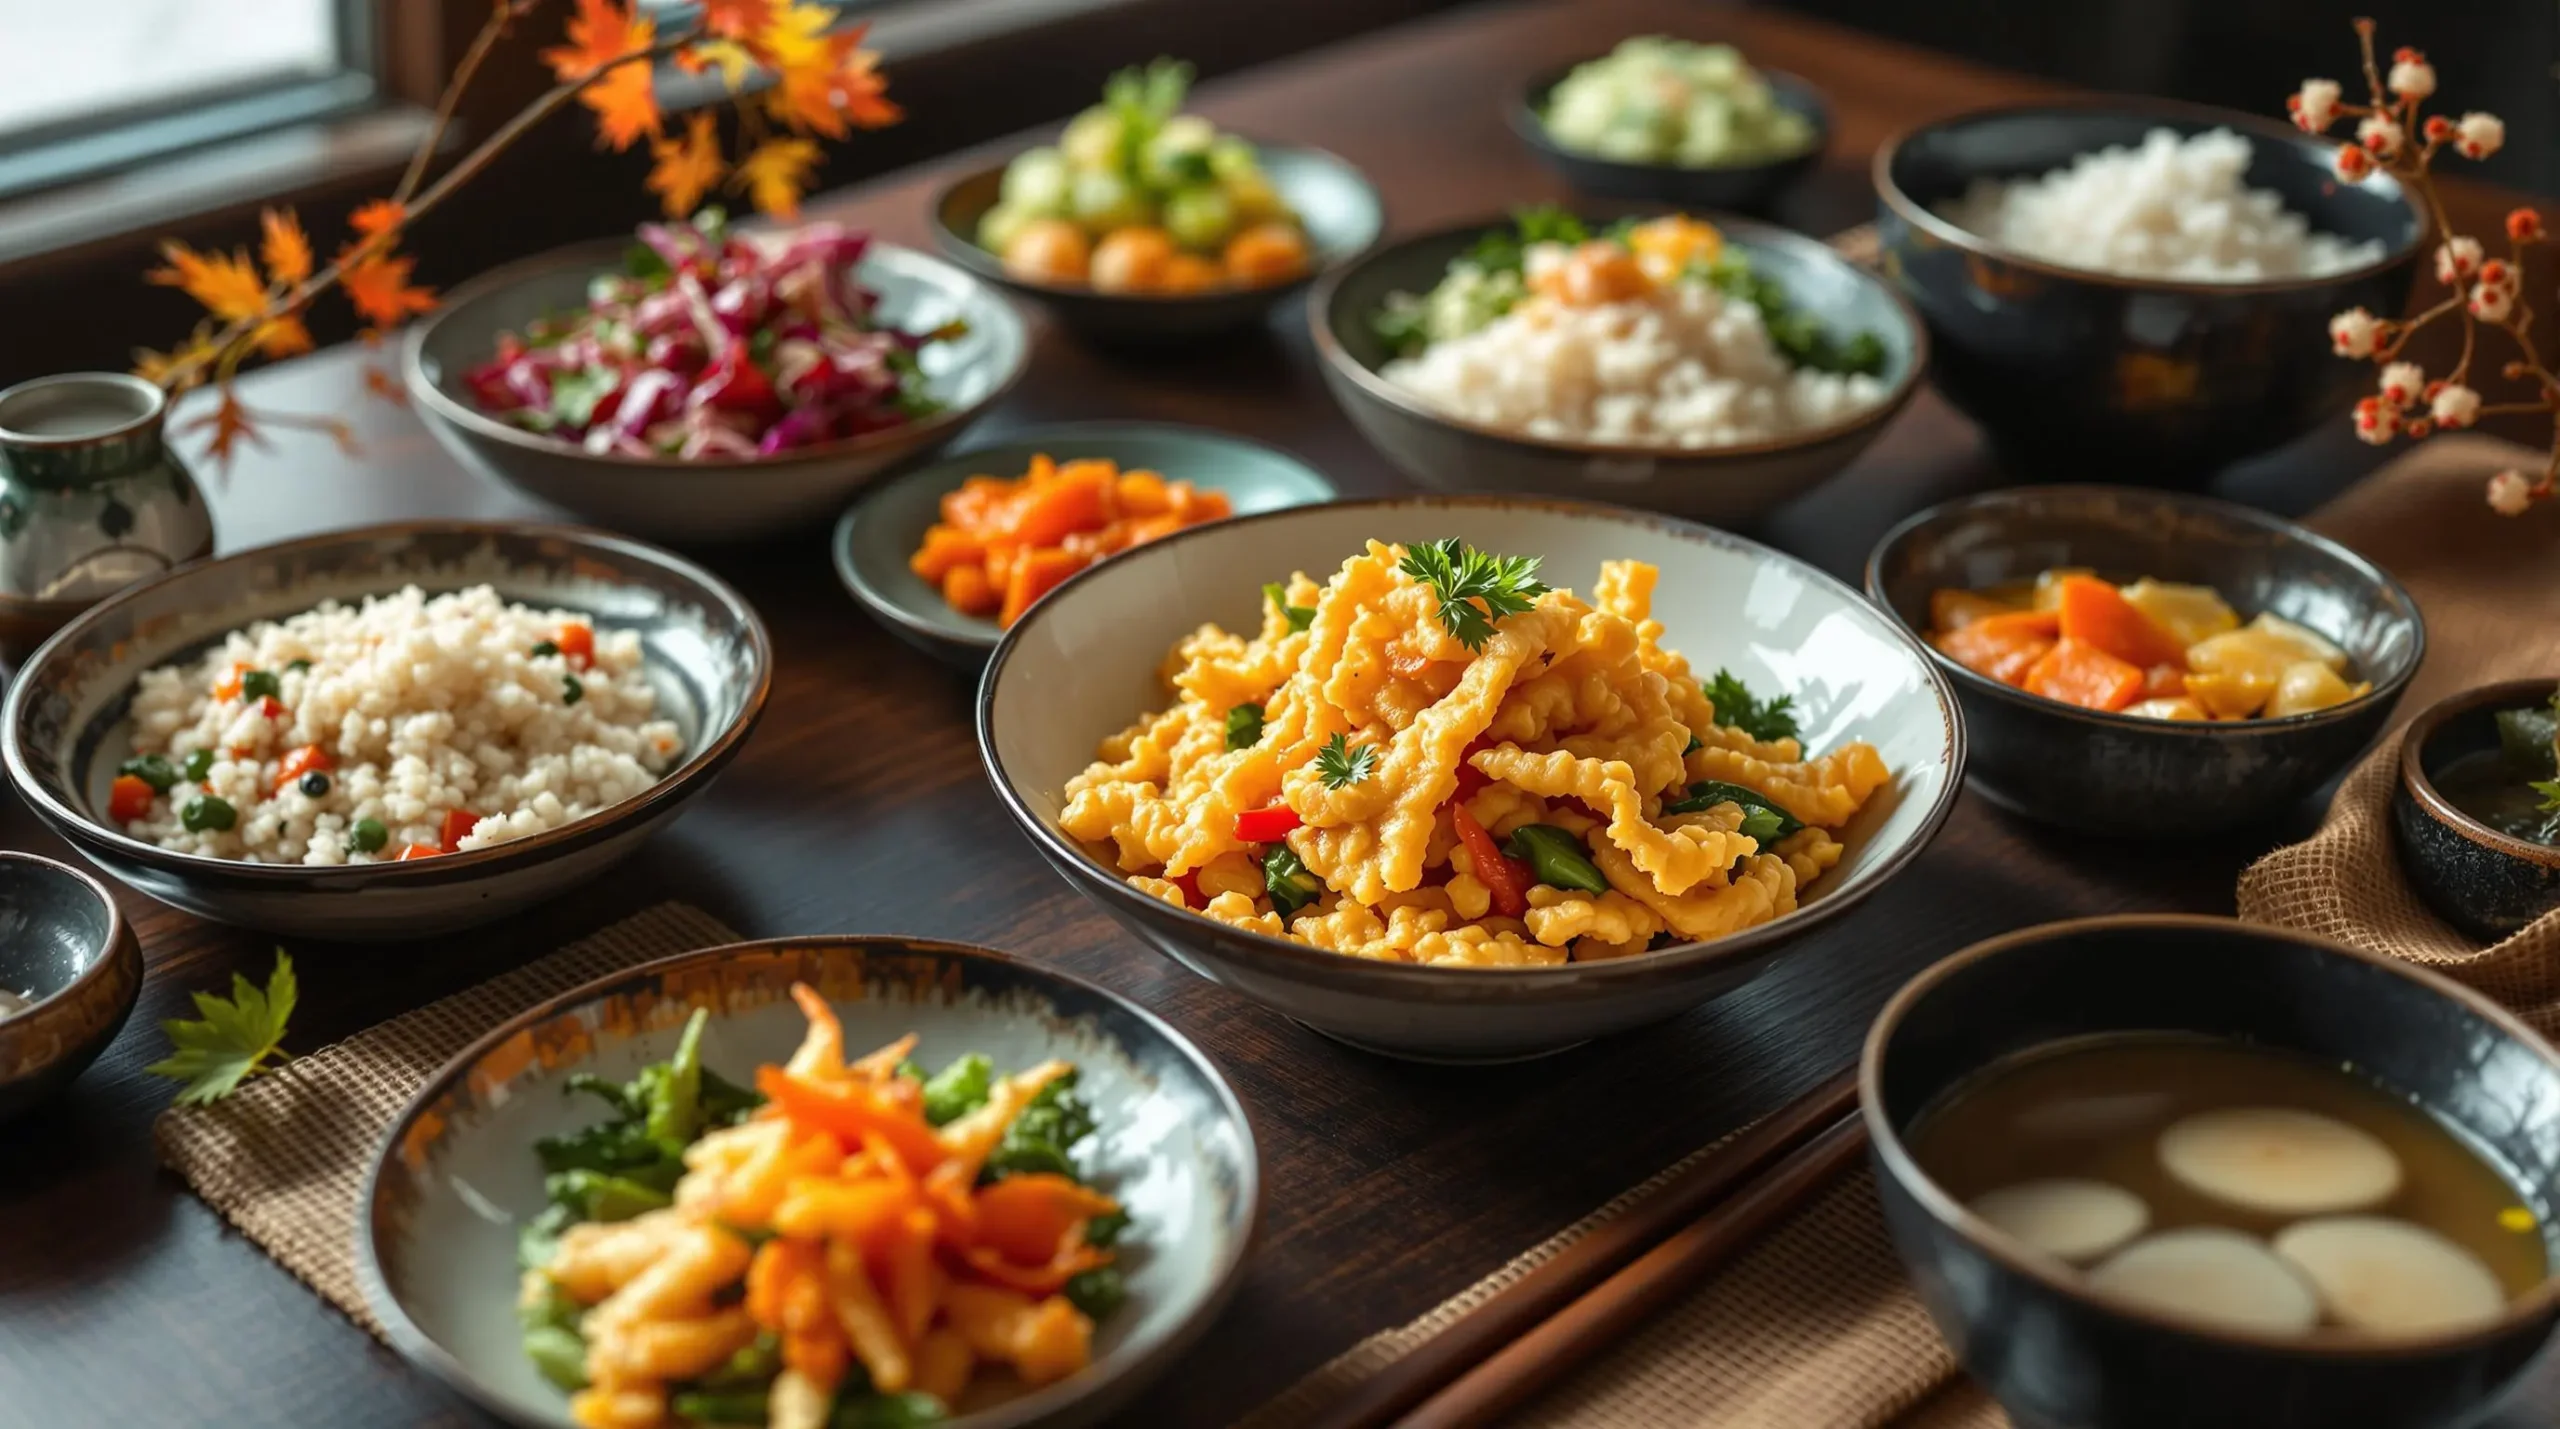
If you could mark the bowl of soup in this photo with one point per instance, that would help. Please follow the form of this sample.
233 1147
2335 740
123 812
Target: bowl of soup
2476 814
2167 1170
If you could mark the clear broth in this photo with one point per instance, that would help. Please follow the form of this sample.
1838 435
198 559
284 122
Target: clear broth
2096 1109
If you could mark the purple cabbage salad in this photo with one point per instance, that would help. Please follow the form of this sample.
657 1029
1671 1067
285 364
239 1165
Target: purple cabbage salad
714 345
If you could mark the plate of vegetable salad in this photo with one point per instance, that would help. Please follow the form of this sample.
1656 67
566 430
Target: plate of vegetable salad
851 1183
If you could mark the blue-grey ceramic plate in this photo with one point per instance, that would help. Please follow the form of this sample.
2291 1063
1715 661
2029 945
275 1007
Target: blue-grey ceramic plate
456 1174
875 538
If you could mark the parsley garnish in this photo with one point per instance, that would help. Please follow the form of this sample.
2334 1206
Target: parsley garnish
2549 789
1342 765
1300 616
1503 250
1244 726
1736 709
231 1039
1464 576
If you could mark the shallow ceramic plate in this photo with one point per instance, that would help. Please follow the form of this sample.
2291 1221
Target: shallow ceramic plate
875 538
456 1173
1083 664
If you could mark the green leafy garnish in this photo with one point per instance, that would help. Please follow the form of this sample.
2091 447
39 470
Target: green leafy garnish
1342 765
1300 616
1287 880
865 1408
1104 1230
1144 99
603 1196
1799 335
716 1406
575 395
228 1040
1556 856
1042 1135
1473 585
1762 821
1244 726
1097 1292
1737 709
153 770
2549 789
958 1089
1506 250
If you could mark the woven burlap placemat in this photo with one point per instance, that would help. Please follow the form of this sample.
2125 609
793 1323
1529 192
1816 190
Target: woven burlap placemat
283 1159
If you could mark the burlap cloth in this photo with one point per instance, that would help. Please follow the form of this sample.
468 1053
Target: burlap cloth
283 1159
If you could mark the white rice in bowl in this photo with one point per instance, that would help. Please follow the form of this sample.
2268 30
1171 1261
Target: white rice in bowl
1684 366
2172 209
422 706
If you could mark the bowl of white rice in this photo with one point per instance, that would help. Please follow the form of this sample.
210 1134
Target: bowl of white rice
1675 395
386 732
2137 292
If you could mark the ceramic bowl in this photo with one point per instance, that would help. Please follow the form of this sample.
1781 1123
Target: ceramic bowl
1720 484
2153 381
2119 774
1342 215
1083 664
66 950
668 499
65 726
2486 883
456 1173
1736 188
2052 1353
875 538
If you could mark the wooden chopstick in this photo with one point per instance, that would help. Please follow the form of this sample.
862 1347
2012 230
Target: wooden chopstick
1590 1261
1604 1315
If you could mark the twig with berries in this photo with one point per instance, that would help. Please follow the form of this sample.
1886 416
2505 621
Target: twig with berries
2480 291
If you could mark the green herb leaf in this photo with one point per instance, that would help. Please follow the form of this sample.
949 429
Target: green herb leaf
1556 856
1287 880
1300 616
1104 1230
2549 789
1505 250
1342 765
575 395
228 1040
958 1089
1244 726
1042 1135
1473 585
1736 708
1097 1292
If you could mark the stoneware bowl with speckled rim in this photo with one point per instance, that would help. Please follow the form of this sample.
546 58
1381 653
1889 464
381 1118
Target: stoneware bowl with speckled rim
1083 664
2486 883
1341 213
691 502
1740 188
2030 1331
456 1173
1723 484
2095 376
2120 774
66 949
65 725
875 538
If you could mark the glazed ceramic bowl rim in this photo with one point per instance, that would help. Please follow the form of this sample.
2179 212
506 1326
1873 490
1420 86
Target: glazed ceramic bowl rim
1288 956
1987 1240
598 255
155 409
716 748
2250 126
2422 788
964 251
99 966
1337 357
419 1348
879 603
1529 121
2383 691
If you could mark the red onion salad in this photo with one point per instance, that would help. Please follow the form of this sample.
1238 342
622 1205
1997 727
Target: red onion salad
714 345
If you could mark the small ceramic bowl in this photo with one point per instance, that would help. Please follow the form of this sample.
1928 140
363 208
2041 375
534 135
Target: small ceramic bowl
1718 484
2154 381
1735 188
66 724
1085 662
2486 883
2055 1354
692 502
875 538
2121 774
456 1173
67 952
1342 215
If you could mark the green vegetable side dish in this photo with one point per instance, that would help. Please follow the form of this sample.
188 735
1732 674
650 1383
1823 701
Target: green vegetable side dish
2514 788
1657 100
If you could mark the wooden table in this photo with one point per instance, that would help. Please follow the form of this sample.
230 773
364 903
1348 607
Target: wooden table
860 806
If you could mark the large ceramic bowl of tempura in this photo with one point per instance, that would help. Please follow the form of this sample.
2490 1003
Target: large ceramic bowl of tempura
2278 1183
1090 659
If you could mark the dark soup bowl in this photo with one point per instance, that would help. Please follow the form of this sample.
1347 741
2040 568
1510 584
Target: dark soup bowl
2487 880
2124 774
71 970
2029 1328
2152 380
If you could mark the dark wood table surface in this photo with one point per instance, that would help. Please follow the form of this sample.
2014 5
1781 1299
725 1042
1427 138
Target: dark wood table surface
860 806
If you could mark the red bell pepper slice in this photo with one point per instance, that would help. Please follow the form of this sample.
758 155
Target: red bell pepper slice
458 824
1266 825
1505 880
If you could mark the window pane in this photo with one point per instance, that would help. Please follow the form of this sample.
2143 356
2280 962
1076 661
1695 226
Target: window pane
68 60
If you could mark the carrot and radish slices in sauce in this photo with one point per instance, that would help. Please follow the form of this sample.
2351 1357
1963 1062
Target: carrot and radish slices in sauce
1003 542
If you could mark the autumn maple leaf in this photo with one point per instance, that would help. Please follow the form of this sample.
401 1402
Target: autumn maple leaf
230 424
183 365
379 288
805 60
285 249
687 168
376 217
776 174
227 284
625 97
736 19
379 381
283 336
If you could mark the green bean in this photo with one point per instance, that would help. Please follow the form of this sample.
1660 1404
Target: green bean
1556 856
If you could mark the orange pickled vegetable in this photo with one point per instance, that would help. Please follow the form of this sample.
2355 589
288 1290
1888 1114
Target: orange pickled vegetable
2002 647
2097 615
1003 543
129 798
2079 673
577 645
1952 609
